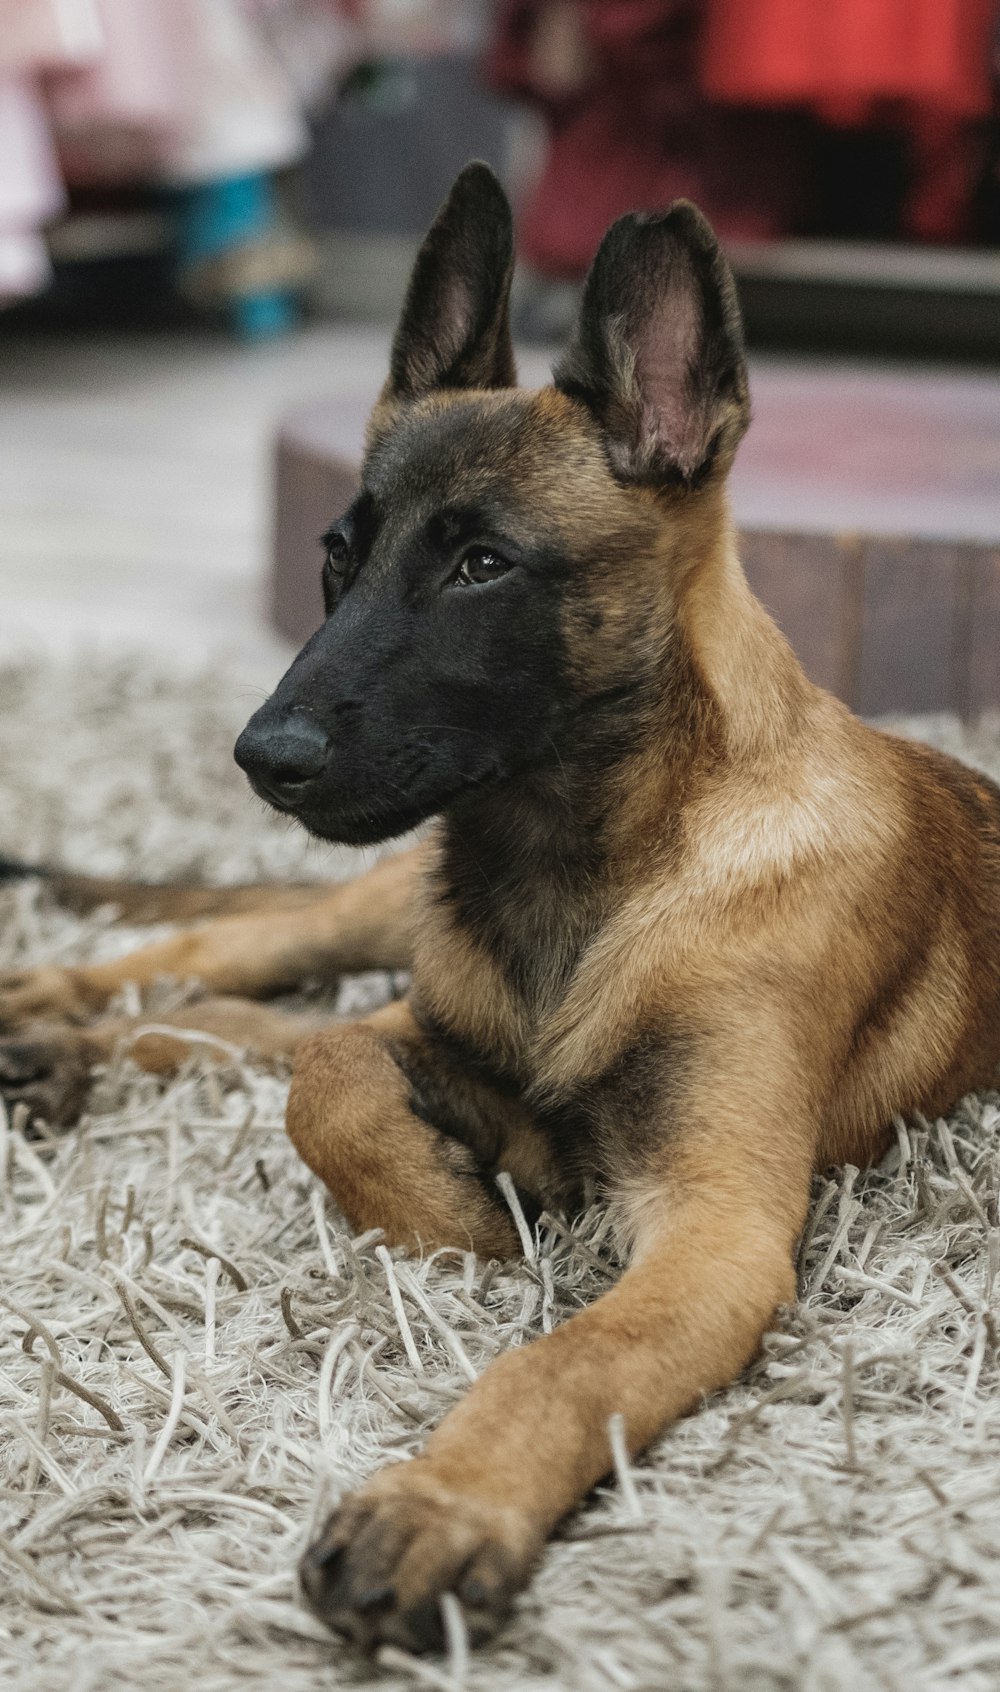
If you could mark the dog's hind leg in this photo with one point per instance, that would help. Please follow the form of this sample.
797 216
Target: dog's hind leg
144 901
331 931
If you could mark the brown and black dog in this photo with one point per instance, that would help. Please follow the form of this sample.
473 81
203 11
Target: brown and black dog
685 926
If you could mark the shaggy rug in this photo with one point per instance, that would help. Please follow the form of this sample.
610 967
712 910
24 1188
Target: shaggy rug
196 1358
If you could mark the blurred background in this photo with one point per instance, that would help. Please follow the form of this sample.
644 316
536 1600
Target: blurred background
208 209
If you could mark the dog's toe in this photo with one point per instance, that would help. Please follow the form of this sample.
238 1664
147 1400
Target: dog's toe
388 1555
49 1075
47 993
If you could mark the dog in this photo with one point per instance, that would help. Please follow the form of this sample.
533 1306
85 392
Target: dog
685 927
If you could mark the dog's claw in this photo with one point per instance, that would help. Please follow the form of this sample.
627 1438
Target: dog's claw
48 1073
21 1062
387 1556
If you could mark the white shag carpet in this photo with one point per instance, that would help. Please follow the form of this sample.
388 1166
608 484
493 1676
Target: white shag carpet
196 1359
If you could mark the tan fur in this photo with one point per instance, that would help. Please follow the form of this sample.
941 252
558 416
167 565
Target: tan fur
313 933
793 934
350 1116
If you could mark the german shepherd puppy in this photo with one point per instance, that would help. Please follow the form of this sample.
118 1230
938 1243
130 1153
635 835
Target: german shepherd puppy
685 926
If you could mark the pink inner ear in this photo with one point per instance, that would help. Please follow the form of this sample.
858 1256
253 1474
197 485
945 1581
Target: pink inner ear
440 339
675 406
453 324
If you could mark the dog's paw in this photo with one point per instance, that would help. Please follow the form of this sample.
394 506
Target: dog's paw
49 1072
387 1556
49 993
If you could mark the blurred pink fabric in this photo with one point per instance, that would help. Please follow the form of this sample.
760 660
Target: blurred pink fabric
37 33
239 109
31 190
113 116
175 91
188 90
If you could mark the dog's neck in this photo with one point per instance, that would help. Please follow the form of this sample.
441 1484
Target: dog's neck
760 693
534 867
522 868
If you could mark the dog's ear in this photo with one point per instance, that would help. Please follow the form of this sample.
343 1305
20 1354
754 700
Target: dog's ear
657 352
454 330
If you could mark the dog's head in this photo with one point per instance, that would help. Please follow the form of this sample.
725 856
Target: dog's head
502 584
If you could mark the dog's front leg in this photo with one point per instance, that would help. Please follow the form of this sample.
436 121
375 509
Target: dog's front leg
471 1514
407 1140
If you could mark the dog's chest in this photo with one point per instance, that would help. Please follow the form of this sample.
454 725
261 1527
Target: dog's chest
492 978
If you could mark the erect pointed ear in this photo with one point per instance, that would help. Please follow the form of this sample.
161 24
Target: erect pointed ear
454 330
657 352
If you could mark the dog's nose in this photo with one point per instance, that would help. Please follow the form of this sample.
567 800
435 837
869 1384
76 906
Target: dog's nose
282 758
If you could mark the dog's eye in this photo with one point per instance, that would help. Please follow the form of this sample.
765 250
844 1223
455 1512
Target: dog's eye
337 550
336 566
480 565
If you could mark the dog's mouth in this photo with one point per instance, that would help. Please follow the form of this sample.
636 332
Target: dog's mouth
375 820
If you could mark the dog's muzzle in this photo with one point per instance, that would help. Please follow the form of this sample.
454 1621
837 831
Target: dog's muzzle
284 758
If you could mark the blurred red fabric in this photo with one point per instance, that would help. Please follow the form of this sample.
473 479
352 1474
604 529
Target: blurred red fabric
708 99
842 55
630 126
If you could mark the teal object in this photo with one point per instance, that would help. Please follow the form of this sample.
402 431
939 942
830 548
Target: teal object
258 315
216 216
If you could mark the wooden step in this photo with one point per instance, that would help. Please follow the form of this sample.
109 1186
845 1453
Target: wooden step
869 509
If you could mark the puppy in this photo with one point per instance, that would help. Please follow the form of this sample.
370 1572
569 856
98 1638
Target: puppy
685 927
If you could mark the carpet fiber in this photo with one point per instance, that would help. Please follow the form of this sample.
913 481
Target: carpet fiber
196 1359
